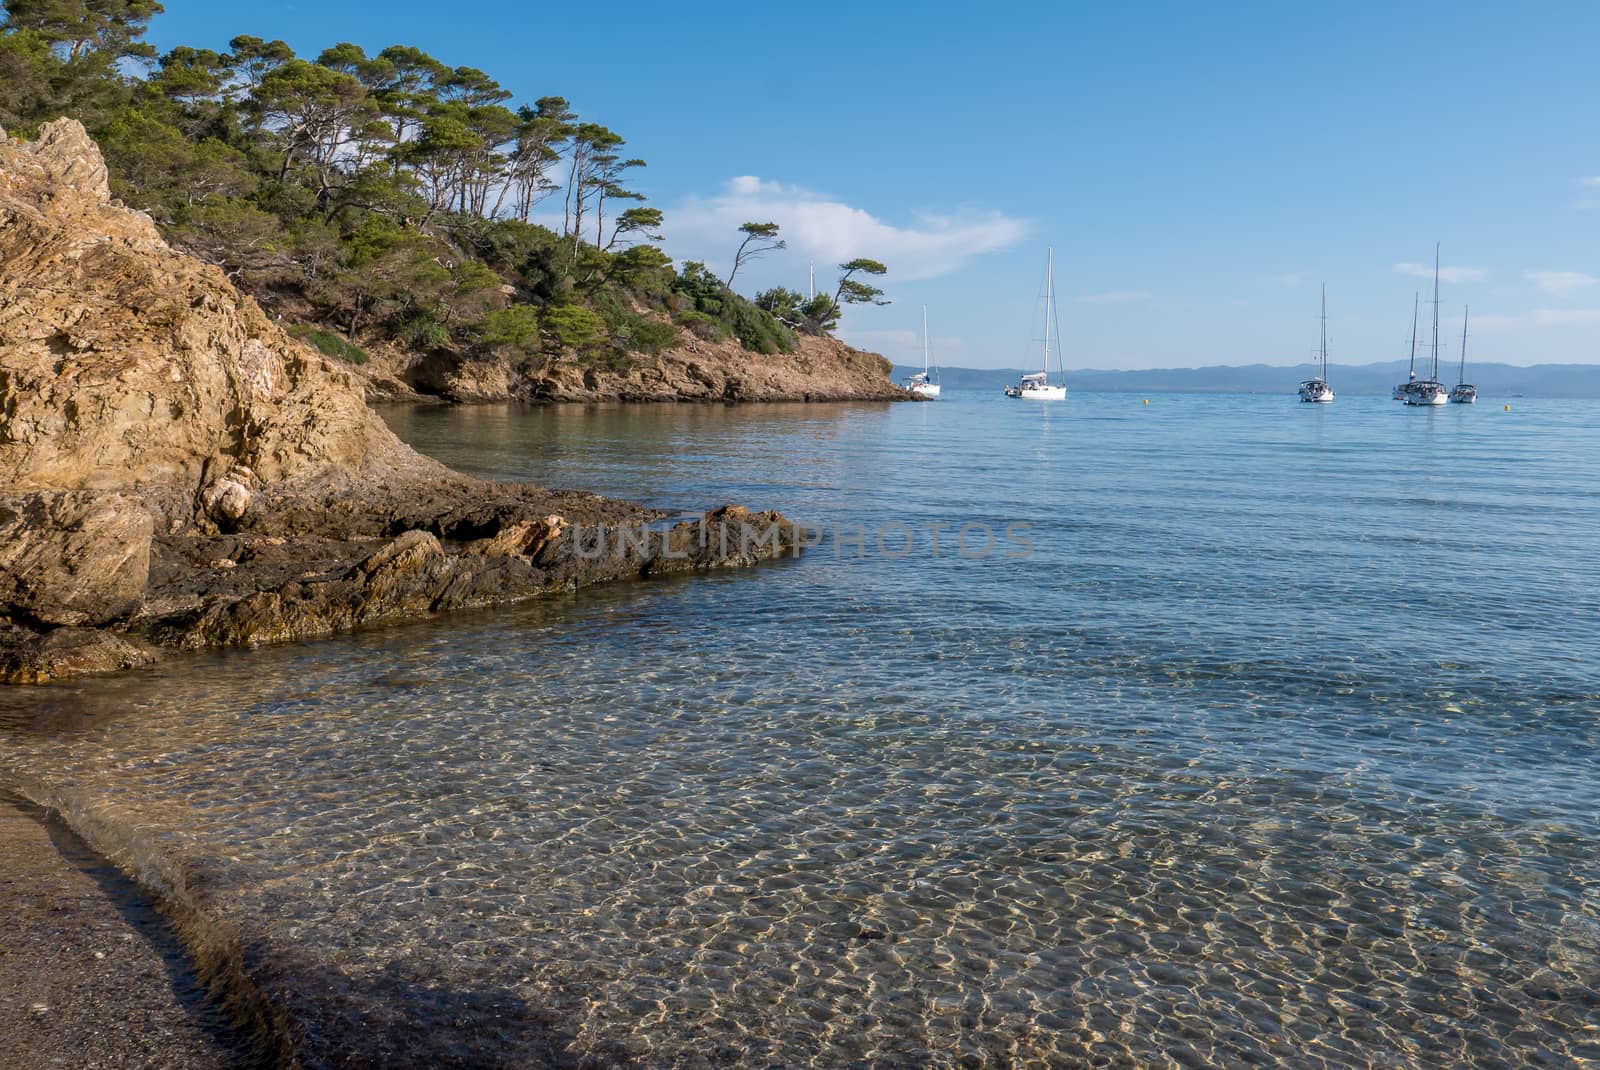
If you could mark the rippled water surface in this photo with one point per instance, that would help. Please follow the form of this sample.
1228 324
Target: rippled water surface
1267 734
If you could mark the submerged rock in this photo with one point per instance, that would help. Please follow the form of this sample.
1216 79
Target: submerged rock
177 471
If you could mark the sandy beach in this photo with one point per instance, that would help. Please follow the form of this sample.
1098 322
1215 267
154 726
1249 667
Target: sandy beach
90 974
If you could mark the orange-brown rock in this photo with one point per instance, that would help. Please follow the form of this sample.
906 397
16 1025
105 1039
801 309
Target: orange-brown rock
176 470
125 363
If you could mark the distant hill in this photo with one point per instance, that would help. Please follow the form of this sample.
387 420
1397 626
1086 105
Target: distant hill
1492 380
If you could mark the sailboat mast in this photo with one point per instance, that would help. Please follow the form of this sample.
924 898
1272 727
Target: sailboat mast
1435 375
1049 301
1462 376
1324 332
924 339
1416 299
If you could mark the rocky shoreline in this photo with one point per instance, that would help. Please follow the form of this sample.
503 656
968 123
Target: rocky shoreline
177 473
696 371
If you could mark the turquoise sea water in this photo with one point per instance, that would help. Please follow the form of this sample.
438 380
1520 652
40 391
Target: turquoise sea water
1264 734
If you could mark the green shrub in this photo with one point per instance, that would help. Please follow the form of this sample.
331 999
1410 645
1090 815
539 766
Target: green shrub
516 326
648 335
701 325
757 330
330 344
573 327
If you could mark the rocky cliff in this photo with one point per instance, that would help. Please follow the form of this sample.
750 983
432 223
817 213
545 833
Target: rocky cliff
821 369
176 471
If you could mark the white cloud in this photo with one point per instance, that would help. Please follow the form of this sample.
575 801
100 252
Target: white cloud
905 345
1590 183
748 185
1116 297
884 339
1446 274
1560 283
831 231
1286 279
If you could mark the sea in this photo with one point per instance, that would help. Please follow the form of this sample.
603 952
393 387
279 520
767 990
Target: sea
1179 730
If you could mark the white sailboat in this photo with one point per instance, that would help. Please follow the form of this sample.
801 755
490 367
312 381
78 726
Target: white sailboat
1036 386
1463 393
925 382
1430 391
1317 389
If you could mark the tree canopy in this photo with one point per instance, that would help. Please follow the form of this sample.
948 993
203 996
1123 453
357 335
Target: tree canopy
759 238
391 195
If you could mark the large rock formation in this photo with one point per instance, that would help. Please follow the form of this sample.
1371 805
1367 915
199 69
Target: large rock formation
821 369
125 363
176 470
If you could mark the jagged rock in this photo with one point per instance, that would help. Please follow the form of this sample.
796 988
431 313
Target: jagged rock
227 500
124 362
448 376
414 574
73 559
30 658
526 538
73 159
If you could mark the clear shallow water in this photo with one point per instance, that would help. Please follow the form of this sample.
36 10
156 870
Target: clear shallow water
1282 746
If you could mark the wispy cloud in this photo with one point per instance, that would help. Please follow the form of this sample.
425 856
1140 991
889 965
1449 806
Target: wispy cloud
1287 279
832 231
901 342
1116 297
888 339
1540 317
1588 193
1560 283
1446 274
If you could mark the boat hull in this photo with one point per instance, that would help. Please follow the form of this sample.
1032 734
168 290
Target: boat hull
1316 392
927 390
1424 393
1464 395
1037 393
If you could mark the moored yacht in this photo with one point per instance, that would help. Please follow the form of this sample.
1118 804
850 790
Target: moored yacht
1425 392
925 382
1036 386
1429 391
1318 389
1463 393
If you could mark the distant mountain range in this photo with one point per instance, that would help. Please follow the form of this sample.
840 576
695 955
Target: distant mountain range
1492 380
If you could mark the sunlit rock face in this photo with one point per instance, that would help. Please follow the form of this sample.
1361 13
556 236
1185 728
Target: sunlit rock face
174 467
125 363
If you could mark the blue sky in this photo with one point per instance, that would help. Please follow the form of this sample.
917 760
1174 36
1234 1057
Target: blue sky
1198 169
